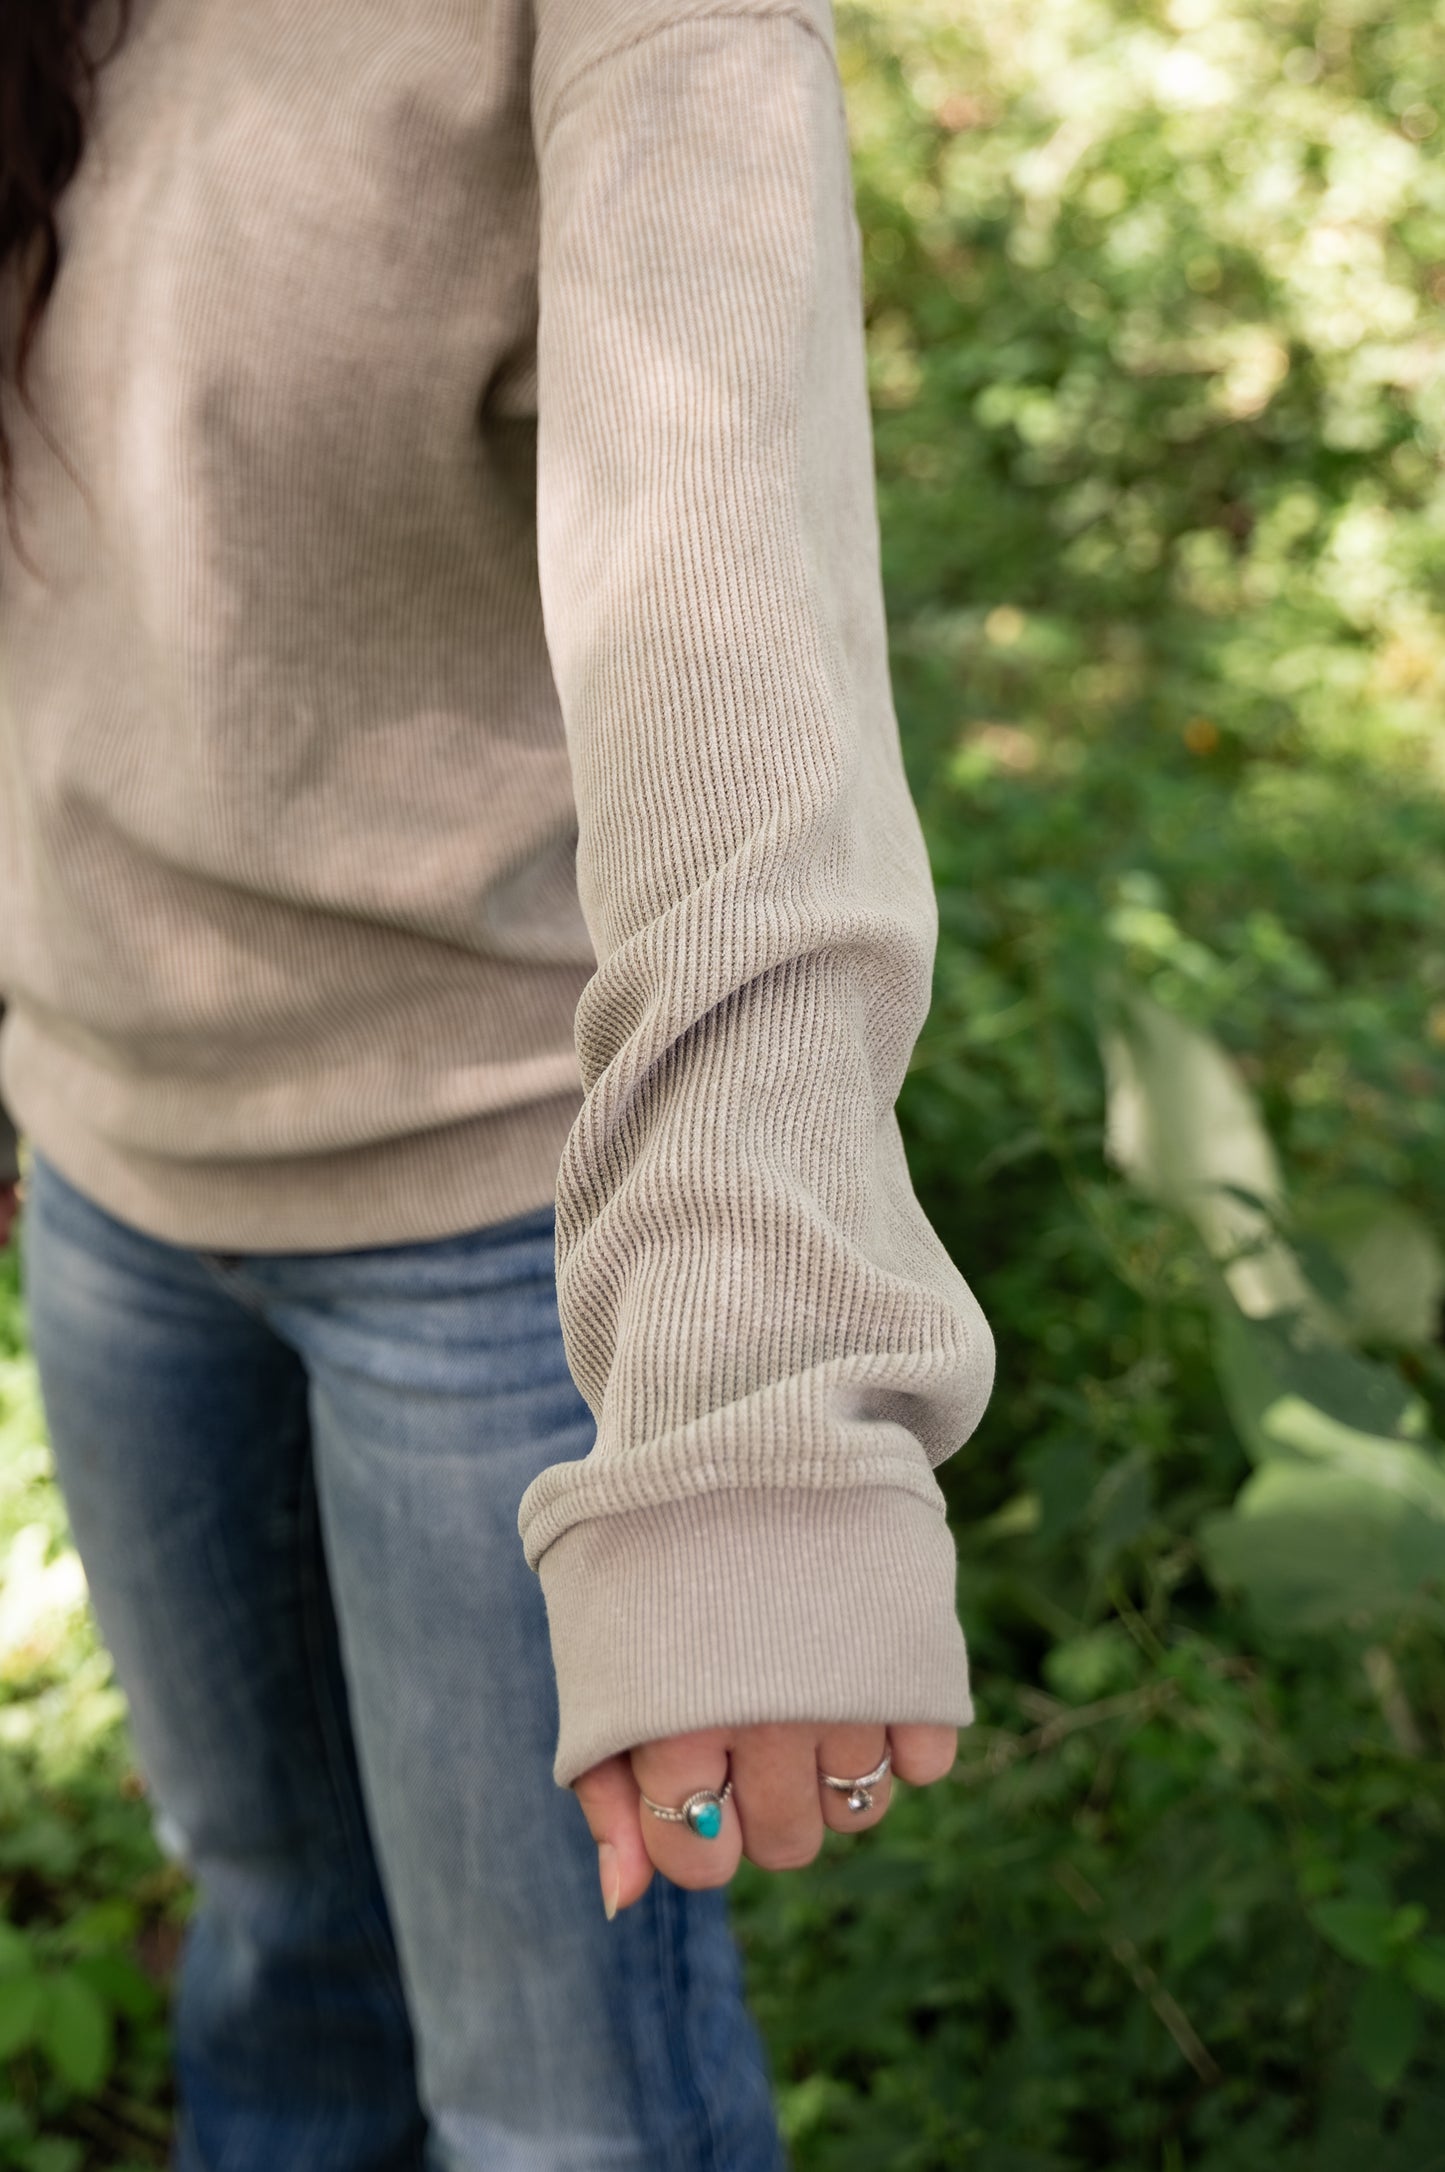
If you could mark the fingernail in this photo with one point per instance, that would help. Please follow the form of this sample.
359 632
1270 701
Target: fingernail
610 1875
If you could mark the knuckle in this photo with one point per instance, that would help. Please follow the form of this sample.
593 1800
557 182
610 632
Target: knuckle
922 1754
795 1854
921 1771
701 1877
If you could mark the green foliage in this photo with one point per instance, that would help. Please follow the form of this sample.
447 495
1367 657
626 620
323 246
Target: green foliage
1153 308
1344 1520
86 1904
1153 304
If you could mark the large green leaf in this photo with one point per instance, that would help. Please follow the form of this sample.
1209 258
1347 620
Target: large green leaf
1292 1392
51 2153
1425 1967
1390 1267
21 2000
1315 1546
1364 1931
75 2032
1385 2028
1183 1126
1344 1520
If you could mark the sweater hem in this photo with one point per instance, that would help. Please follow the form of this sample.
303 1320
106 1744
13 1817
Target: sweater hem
408 1190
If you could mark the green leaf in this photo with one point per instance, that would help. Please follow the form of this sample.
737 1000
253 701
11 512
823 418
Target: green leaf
1345 1518
75 2032
120 1983
1184 1127
1361 1930
1064 1474
106 1923
16 1951
1092 1664
1120 1509
51 2153
1385 2028
1318 1548
1292 1392
21 1999
1192 1930
1425 1967
1390 1267
16 2125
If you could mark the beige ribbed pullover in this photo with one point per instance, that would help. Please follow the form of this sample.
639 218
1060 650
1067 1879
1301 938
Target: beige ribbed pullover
448 761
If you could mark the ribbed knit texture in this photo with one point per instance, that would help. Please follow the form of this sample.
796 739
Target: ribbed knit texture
453 762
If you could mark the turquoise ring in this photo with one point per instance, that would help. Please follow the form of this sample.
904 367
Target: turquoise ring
703 1810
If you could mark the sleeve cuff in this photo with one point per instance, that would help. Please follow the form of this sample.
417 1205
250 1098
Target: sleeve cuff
749 1605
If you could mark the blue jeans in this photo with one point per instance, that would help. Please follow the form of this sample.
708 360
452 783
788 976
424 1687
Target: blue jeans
293 1481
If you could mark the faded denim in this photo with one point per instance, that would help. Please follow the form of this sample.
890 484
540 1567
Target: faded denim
293 1481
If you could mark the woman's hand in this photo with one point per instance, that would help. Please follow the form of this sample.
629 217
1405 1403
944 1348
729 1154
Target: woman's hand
777 1812
9 1210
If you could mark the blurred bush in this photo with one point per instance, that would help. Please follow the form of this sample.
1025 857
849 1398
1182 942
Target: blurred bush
1154 314
89 1913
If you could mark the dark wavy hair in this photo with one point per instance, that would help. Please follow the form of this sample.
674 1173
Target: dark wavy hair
47 79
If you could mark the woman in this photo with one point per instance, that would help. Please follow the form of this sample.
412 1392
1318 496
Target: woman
464 929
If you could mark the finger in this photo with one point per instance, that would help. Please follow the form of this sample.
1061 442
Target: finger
848 1752
608 1795
669 1771
775 1776
922 1752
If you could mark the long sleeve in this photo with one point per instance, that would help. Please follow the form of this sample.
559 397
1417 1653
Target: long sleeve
775 1344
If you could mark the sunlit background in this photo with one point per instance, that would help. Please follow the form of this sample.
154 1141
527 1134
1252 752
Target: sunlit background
1156 313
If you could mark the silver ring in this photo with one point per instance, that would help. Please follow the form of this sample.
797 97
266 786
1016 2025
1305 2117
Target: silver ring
857 1791
702 1810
